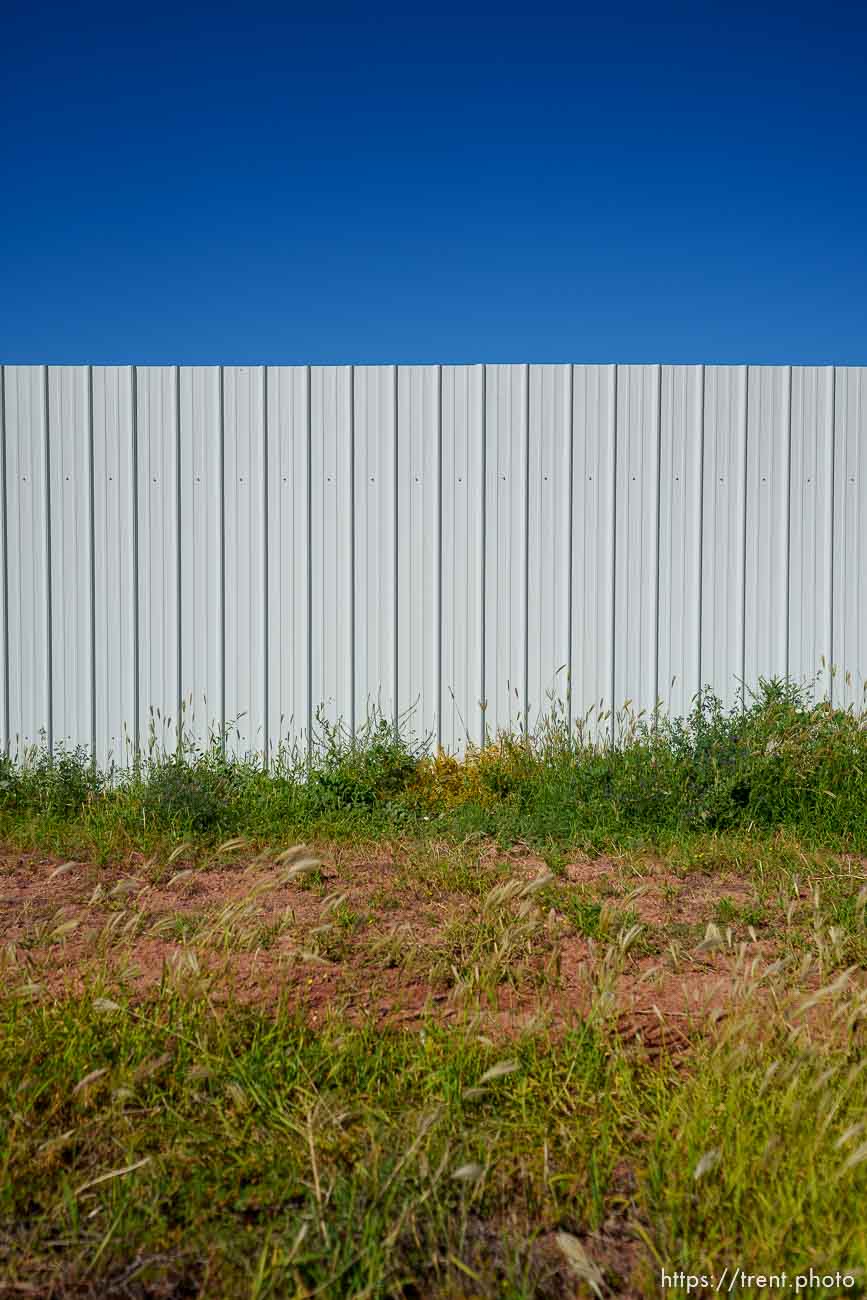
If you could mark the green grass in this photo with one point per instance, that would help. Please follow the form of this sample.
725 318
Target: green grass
762 1156
776 762
280 1158
247 1155
158 1147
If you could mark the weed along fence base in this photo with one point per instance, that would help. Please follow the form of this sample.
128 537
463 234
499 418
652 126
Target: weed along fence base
462 546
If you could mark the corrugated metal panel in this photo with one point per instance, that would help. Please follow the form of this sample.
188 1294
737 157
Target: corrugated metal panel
332 542
636 577
245 524
157 428
463 556
850 537
115 566
680 469
70 462
549 533
288 550
724 529
260 542
594 458
29 633
201 600
506 502
810 524
375 541
418 547
767 530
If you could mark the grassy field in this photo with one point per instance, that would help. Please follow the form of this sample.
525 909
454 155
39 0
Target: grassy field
545 1022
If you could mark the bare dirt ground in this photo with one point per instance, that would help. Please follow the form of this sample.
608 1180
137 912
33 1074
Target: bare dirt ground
410 936
394 939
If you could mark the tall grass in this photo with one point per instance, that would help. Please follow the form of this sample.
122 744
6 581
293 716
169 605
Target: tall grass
249 1155
776 760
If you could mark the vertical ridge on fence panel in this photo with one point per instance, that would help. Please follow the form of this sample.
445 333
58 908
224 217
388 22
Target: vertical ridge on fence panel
159 549
506 393
723 513
549 541
462 553
767 488
636 522
680 515
811 526
244 523
594 390
27 533
331 532
4 589
417 542
201 486
375 543
850 536
288 586
114 564
71 554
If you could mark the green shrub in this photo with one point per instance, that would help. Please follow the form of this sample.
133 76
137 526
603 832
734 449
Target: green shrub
358 771
10 778
776 760
57 783
198 795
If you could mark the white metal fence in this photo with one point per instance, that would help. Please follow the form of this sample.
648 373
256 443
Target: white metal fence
461 540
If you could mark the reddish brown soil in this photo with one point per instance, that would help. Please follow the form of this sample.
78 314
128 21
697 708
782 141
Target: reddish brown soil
661 997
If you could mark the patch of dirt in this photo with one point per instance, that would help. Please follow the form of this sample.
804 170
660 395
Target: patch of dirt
591 870
657 894
246 936
700 894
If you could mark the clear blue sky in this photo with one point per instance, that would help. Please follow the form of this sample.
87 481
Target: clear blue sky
354 183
